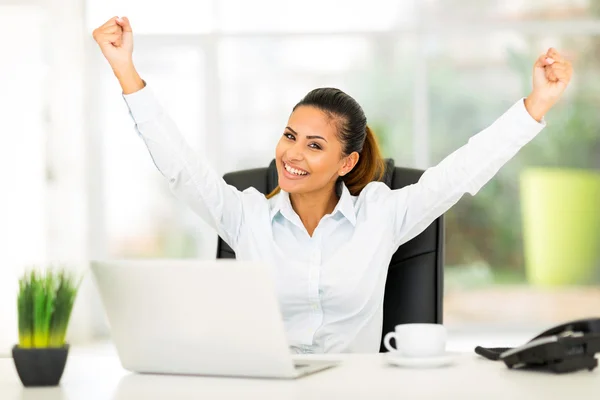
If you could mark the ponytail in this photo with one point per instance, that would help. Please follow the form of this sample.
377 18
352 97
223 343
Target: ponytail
370 166
274 192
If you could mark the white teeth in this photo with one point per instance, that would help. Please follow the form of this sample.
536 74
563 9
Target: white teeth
294 170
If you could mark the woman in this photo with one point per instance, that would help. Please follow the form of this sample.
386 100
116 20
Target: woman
330 228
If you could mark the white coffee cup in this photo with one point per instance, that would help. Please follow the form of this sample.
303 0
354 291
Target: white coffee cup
417 340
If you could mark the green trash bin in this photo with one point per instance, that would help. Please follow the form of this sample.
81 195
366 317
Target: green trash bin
561 225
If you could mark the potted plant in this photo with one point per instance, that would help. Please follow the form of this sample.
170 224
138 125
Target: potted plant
44 303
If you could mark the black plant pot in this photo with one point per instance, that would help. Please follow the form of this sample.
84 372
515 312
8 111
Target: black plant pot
40 366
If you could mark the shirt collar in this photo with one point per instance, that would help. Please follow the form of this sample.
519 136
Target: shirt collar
281 204
345 205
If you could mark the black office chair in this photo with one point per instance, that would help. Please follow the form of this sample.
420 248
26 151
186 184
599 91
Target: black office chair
414 286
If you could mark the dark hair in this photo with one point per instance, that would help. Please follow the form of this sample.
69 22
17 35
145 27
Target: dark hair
353 132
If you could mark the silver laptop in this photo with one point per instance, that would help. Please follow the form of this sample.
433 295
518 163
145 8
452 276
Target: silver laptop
218 318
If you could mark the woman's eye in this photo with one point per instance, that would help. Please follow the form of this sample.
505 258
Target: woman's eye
315 146
289 136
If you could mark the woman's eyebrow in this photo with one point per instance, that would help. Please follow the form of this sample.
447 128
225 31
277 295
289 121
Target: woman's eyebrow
308 137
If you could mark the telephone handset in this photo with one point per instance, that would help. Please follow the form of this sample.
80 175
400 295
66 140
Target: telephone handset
564 348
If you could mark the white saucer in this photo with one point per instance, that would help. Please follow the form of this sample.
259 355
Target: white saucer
442 360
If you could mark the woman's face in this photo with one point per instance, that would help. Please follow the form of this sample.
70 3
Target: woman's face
309 153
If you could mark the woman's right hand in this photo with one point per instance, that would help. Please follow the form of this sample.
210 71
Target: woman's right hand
115 39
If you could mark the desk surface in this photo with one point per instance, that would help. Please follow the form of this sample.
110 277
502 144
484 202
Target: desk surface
98 376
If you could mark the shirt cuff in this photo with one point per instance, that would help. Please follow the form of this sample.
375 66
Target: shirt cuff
541 124
525 127
143 105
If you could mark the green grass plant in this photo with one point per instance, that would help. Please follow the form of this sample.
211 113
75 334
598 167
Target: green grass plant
45 301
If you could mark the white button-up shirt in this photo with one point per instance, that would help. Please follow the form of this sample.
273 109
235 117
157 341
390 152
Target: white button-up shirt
330 286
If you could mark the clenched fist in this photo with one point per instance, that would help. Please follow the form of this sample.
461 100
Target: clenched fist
551 76
115 39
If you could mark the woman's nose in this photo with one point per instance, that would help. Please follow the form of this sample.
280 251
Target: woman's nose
295 152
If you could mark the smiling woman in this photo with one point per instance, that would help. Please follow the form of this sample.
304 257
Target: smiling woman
327 140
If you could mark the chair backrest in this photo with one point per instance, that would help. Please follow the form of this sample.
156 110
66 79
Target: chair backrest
414 286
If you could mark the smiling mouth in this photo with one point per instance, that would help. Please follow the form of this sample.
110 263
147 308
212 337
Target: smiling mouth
294 171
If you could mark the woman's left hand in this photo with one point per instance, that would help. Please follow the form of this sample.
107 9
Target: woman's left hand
551 76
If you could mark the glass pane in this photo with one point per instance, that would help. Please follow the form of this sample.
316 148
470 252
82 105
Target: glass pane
511 10
536 224
262 79
143 218
179 16
314 15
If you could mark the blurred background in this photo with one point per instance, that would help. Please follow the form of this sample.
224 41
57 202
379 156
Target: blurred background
78 184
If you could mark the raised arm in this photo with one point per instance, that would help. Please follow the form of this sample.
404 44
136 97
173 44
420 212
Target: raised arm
188 176
470 167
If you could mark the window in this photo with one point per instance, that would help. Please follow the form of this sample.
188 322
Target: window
493 237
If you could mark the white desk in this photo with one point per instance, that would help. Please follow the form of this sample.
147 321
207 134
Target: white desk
98 376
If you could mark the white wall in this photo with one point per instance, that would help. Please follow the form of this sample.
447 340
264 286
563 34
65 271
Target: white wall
67 137
43 206
22 156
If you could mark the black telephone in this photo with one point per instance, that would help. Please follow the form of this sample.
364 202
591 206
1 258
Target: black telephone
564 348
